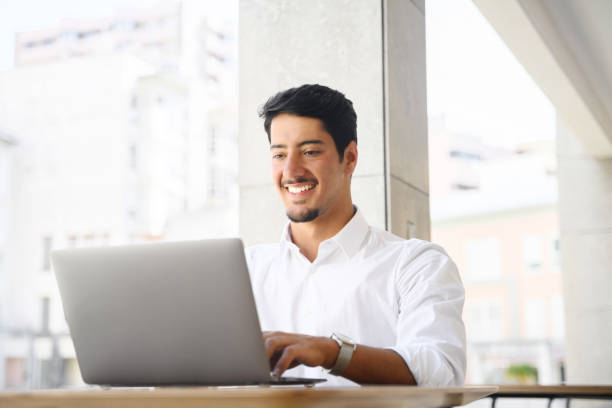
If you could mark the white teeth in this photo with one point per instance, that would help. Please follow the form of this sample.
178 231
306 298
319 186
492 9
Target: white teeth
296 190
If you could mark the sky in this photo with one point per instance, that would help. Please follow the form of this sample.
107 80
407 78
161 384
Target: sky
473 80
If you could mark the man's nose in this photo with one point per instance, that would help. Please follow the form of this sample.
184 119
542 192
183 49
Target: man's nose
293 166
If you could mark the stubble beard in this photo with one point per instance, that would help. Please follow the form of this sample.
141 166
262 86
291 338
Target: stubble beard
310 215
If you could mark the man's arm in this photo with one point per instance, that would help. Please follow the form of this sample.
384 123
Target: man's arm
430 331
368 365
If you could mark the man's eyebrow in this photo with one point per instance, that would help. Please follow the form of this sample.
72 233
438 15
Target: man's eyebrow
305 142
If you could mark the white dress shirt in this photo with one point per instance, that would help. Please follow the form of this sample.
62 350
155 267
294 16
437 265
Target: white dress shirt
377 288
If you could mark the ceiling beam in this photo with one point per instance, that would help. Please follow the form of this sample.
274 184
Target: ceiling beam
531 34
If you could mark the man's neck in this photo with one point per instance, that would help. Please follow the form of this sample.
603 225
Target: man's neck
308 235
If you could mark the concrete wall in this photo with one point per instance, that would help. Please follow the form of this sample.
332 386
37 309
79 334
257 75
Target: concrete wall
585 208
374 52
406 119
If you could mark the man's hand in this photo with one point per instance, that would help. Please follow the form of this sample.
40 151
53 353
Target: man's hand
287 350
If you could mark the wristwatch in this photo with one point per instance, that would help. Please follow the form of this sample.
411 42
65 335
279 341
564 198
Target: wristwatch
347 347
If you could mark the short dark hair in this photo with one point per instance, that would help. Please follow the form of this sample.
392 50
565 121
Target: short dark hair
319 102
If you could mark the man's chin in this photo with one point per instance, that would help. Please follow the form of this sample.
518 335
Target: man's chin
303 216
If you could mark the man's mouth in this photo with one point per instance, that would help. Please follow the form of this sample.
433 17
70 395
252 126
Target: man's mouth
301 188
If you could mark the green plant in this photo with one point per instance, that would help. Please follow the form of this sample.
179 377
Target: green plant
522 373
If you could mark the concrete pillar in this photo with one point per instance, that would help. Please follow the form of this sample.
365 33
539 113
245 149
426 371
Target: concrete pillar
374 52
2 360
407 178
585 209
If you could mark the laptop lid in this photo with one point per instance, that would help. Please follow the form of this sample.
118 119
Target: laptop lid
162 313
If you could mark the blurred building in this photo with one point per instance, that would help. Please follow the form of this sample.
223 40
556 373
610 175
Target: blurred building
7 146
495 212
125 125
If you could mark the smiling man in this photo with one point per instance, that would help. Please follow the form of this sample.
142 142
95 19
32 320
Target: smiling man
338 297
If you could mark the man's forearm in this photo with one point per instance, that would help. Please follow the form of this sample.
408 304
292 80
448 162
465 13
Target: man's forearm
370 365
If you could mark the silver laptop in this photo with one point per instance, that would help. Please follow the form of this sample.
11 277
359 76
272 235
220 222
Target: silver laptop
170 313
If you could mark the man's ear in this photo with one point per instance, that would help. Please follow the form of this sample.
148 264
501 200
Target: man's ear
350 157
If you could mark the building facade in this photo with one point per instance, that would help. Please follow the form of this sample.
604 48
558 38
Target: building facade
495 212
120 123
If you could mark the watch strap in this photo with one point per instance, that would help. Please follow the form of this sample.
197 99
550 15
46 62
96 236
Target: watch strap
344 357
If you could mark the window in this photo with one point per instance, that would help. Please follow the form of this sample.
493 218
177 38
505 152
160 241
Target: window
555 253
460 186
45 312
485 320
483 258
89 240
133 157
557 318
534 312
47 243
465 155
212 141
15 372
532 252
87 34
47 41
68 35
212 182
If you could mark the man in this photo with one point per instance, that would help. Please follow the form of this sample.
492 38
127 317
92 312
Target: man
335 293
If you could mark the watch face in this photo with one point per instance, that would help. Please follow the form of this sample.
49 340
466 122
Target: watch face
343 338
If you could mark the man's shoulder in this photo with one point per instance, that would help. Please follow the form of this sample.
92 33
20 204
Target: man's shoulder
411 255
411 248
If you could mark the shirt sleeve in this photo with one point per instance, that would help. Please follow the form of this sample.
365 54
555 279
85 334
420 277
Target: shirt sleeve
430 330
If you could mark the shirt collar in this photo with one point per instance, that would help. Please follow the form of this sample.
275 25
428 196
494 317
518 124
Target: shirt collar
285 241
353 234
349 238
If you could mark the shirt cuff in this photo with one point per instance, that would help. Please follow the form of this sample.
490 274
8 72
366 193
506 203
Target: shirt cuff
428 367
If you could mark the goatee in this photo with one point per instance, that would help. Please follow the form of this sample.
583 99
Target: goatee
308 216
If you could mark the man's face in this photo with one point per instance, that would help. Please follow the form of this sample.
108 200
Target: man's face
306 167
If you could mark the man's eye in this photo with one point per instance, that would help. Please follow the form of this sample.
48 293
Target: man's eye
278 156
311 152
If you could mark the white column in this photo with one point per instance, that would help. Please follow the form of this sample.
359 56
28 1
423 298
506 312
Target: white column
2 360
585 209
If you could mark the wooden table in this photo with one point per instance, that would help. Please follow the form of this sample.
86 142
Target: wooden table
272 397
552 392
